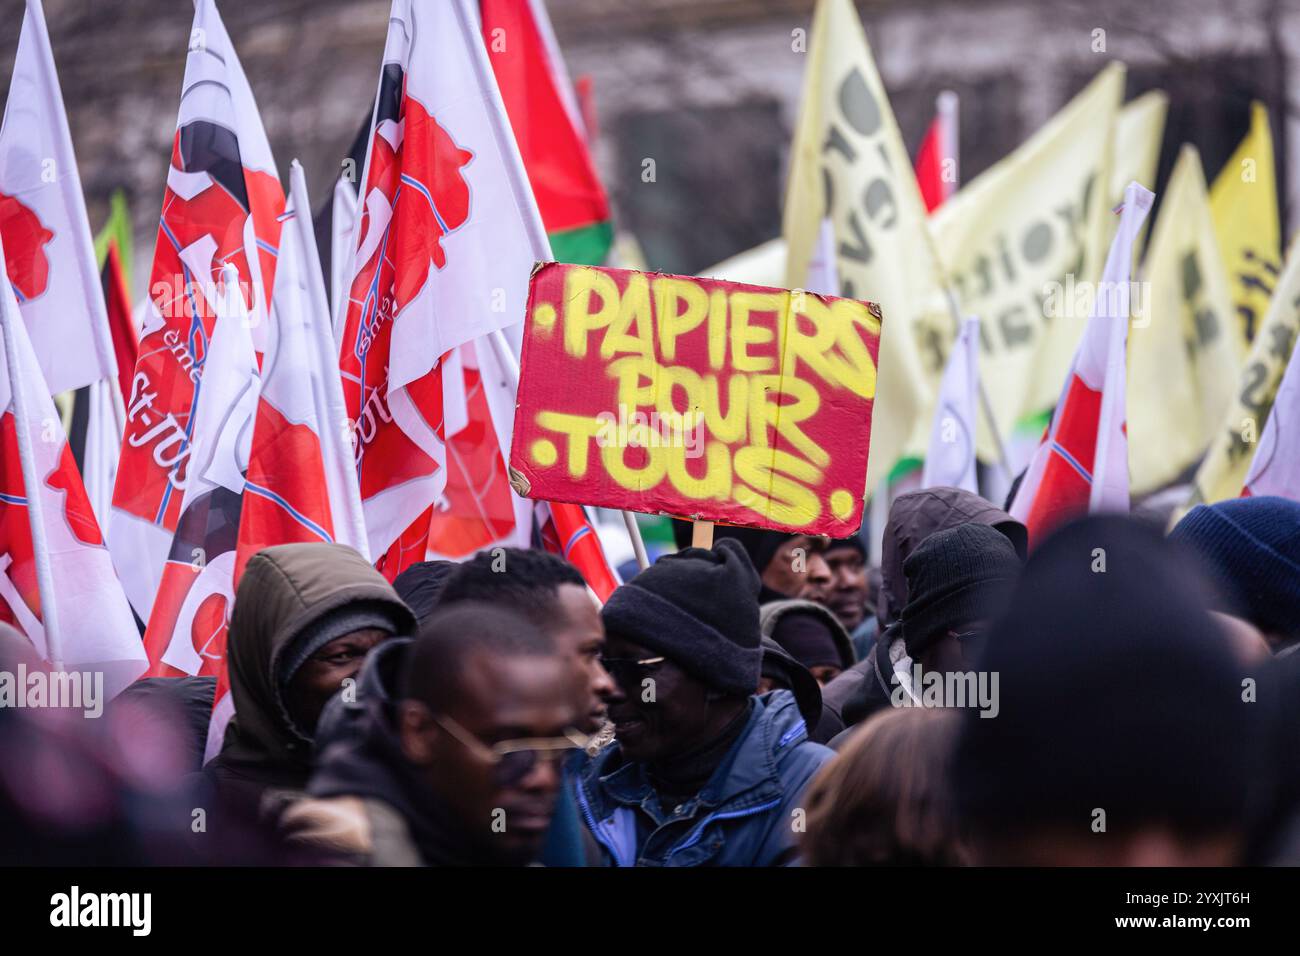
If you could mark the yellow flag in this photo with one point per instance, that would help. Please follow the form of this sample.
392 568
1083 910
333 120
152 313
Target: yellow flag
1243 201
1223 471
849 164
1182 352
1017 239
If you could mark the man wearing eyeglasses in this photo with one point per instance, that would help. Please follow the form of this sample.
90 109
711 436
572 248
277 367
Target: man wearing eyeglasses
702 772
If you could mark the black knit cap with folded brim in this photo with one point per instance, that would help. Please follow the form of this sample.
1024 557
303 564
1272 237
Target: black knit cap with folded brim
1116 691
955 578
698 608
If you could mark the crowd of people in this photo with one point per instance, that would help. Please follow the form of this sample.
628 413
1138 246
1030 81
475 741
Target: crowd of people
1117 696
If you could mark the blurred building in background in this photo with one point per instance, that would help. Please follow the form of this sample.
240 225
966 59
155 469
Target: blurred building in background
706 89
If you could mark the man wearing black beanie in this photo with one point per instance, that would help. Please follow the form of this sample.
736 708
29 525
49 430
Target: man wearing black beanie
701 772
1127 732
958 579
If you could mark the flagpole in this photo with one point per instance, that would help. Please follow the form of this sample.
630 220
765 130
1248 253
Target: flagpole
537 238
948 107
31 482
1004 462
638 545
339 313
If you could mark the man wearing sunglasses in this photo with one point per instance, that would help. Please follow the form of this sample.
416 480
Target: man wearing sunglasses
702 772
464 768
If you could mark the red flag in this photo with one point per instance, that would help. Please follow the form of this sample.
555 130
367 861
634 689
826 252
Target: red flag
409 548
936 161
476 509
544 115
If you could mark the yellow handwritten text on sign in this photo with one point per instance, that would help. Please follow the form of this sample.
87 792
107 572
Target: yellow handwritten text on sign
696 398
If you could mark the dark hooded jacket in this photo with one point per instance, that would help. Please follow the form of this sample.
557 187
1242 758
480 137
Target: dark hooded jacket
284 591
867 686
915 516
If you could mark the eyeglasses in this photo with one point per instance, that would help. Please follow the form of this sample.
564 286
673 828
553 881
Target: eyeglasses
626 670
513 760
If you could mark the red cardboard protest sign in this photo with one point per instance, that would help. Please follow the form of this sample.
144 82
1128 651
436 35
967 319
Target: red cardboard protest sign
696 398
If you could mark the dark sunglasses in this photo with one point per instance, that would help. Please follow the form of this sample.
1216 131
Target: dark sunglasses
513 760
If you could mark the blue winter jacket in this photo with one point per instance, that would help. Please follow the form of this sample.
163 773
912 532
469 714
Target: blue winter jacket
746 815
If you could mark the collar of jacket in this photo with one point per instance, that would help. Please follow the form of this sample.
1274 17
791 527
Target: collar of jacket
747 777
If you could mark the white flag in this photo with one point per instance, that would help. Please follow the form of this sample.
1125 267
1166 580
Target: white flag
1275 469
343 221
51 259
950 459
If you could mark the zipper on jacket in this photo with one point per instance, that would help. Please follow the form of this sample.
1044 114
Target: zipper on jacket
694 836
591 824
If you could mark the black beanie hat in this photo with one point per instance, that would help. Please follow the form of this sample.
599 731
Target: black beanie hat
1252 549
956 577
1116 691
700 609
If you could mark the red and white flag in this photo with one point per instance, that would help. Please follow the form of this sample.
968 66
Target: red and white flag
51 258
1275 469
477 508
187 627
1082 463
566 531
937 172
301 483
57 583
447 236
221 208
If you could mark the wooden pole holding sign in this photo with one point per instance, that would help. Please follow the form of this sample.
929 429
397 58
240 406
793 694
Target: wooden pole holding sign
702 534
